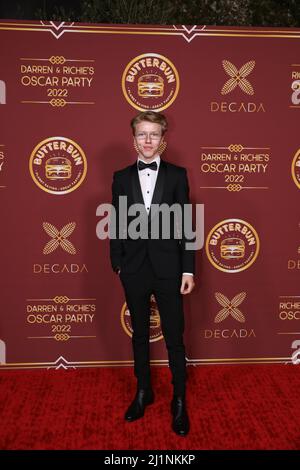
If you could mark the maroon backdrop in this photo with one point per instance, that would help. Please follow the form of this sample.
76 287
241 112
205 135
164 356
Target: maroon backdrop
67 93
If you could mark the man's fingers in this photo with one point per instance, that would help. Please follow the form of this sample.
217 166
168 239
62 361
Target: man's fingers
187 286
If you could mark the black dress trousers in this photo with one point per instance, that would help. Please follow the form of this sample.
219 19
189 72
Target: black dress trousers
138 288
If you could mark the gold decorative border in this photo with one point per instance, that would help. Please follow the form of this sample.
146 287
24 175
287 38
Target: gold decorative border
156 362
170 30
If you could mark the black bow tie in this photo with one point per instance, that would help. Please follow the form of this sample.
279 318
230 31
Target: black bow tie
143 166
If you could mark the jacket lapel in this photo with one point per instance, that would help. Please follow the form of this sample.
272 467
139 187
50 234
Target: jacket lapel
135 185
159 187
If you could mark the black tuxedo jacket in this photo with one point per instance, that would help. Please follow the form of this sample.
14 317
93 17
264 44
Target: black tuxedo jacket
169 257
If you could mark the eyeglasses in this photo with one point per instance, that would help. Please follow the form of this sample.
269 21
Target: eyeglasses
149 135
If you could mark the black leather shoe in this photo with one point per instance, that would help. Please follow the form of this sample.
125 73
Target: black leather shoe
137 408
180 423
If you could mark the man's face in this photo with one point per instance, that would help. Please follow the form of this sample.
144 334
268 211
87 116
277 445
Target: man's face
148 137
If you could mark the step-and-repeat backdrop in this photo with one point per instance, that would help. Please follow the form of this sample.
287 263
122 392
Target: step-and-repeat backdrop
67 94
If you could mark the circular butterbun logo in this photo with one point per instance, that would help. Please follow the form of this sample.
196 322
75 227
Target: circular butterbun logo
155 328
150 82
232 245
296 169
58 165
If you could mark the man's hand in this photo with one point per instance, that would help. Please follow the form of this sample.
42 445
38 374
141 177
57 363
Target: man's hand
187 284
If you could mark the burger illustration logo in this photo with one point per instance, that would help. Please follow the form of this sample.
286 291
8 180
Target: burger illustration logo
232 245
58 168
150 85
155 327
58 165
150 82
231 248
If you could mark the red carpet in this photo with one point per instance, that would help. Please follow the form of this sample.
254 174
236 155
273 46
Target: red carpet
231 407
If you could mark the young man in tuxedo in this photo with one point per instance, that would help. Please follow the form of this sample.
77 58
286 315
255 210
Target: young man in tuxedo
160 266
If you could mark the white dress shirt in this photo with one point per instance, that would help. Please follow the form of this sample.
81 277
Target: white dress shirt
148 179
